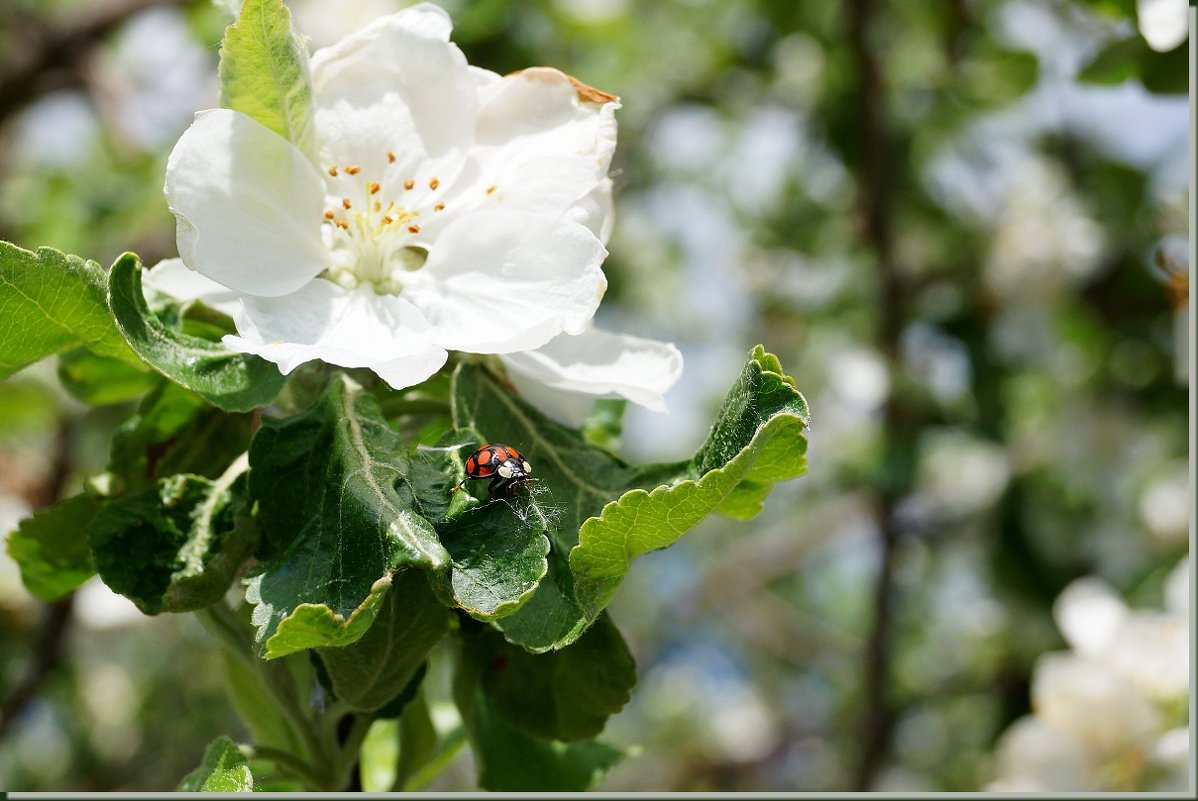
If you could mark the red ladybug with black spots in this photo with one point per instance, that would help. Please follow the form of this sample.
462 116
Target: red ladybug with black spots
503 464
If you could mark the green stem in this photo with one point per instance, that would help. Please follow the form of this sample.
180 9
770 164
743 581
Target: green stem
347 758
333 713
226 629
219 620
449 748
289 762
417 740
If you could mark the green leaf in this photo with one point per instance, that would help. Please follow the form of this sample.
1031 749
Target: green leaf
51 547
397 705
379 754
758 439
176 546
235 382
605 423
100 380
256 706
1166 73
28 405
1161 73
1114 63
563 695
992 75
578 477
264 73
509 760
50 303
417 740
552 617
224 770
497 554
340 511
173 432
368 674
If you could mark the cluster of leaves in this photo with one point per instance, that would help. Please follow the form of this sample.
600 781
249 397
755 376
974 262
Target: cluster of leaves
357 551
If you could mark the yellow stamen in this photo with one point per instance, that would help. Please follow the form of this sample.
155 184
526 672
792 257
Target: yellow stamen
328 215
373 187
438 207
414 229
433 183
345 204
390 157
353 169
408 184
333 171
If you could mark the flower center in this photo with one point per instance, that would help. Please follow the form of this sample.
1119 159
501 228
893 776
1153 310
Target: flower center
372 227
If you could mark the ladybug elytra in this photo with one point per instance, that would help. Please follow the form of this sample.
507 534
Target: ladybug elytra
503 464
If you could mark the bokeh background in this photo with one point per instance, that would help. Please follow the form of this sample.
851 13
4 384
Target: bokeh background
963 227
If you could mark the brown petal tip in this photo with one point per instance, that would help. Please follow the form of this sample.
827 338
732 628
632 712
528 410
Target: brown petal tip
586 94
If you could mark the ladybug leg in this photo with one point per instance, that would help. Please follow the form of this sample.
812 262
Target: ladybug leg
497 483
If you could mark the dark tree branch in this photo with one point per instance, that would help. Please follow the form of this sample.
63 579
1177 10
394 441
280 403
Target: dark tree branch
47 656
43 56
56 619
875 171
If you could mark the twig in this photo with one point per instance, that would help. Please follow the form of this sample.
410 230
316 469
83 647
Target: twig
220 621
46 658
876 189
49 55
56 621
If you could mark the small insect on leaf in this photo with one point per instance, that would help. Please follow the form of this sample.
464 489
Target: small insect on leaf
503 464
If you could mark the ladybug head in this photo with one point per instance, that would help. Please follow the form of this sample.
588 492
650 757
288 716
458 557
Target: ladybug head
514 469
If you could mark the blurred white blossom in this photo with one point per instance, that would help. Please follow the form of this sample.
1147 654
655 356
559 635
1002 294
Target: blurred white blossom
1163 23
1109 714
1045 240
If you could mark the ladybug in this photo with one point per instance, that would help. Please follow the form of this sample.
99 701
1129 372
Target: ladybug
503 464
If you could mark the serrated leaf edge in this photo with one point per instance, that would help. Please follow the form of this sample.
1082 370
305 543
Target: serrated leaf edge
369 604
663 490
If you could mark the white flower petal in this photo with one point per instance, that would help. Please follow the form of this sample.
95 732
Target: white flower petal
568 408
1163 23
1171 753
173 277
400 86
1151 652
501 281
248 205
539 147
348 327
604 364
1091 702
1177 589
596 211
1088 613
1034 757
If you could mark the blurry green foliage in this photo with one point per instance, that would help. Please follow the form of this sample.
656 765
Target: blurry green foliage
1067 372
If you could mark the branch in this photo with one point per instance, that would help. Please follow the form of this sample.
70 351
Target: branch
875 190
47 653
47 656
50 55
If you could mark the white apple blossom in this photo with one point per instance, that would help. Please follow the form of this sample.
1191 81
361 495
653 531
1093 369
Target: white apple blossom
1108 714
1164 24
450 209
